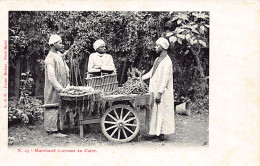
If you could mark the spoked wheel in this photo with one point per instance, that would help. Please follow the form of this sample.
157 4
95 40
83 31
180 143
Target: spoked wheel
120 123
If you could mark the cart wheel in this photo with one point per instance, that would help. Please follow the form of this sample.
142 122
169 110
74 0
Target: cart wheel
120 123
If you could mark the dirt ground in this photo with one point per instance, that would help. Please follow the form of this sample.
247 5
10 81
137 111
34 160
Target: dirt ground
191 130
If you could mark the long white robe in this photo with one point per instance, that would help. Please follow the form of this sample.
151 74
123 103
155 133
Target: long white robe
56 78
162 116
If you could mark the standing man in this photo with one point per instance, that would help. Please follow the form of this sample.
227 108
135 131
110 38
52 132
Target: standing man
100 62
161 84
56 80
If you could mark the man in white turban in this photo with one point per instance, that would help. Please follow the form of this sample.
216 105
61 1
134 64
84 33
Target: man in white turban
161 84
56 80
100 62
53 39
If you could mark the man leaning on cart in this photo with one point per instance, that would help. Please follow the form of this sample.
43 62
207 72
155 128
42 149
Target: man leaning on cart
56 80
99 62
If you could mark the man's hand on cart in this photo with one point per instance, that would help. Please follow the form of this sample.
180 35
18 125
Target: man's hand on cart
68 86
64 90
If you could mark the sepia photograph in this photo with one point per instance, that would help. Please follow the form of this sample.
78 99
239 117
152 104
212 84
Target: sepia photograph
139 78
124 82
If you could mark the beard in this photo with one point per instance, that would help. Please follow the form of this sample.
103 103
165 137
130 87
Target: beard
155 55
101 52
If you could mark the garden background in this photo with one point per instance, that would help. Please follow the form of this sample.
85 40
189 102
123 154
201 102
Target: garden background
130 38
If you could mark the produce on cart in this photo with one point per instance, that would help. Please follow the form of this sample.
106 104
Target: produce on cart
121 122
85 97
133 85
78 90
117 109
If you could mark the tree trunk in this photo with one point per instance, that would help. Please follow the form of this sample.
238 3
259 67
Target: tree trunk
17 77
37 82
85 70
140 62
37 87
123 71
196 52
199 66
28 66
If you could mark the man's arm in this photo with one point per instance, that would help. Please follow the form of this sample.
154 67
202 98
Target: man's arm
91 67
110 64
51 76
147 75
66 52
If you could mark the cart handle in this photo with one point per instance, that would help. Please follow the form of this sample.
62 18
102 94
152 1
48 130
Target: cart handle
50 105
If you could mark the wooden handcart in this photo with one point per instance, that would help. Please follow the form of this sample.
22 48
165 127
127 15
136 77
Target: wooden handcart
121 117
122 121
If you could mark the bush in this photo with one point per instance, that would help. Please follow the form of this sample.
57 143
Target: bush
24 113
26 109
200 106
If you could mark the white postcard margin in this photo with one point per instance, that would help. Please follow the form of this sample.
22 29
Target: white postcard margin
234 89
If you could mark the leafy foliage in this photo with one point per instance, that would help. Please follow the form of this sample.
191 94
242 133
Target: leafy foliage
26 109
191 28
188 33
26 86
130 37
200 105
24 112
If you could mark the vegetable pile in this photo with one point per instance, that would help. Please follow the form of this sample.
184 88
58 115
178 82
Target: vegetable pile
134 84
79 90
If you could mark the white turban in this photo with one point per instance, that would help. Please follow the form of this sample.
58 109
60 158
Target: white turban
54 38
163 42
98 43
